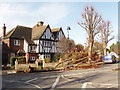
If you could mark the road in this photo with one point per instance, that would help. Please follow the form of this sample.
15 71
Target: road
103 77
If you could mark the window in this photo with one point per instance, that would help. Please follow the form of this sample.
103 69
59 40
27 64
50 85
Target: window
33 48
47 56
32 58
12 54
43 43
17 42
47 43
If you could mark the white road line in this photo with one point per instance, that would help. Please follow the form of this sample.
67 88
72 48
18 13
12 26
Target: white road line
34 85
55 83
49 77
11 72
31 80
71 79
84 85
66 78
26 83
106 84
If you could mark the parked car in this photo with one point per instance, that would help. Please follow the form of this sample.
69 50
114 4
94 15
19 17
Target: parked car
109 59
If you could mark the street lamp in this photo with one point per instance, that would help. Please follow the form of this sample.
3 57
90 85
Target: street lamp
68 28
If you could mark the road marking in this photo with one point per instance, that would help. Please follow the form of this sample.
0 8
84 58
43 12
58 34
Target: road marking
49 77
55 83
85 84
31 80
25 83
71 79
11 72
66 78
33 85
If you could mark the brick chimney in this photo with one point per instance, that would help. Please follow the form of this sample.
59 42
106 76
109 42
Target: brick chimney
4 31
40 23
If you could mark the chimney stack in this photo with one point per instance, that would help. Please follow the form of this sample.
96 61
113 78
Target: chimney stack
40 23
4 31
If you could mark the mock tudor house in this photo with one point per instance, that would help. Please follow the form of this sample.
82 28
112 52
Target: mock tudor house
30 42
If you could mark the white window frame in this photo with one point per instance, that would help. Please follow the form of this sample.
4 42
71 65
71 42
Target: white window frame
16 42
32 58
47 56
33 48
12 54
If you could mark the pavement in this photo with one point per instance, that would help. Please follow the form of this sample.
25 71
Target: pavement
104 77
5 72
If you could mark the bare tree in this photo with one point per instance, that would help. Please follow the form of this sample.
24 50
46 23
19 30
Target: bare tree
65 45
105 28
91 22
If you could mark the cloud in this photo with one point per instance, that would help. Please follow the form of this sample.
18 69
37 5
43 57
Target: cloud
12 15
28 14
52 13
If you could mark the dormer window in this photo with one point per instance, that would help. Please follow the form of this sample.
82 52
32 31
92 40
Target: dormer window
17 42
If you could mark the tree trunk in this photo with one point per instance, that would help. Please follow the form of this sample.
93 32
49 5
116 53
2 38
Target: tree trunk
105 51
90 52
105 47
27 57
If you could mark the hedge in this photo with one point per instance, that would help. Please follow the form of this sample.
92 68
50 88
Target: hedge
12 60
56 57
47 60
19 59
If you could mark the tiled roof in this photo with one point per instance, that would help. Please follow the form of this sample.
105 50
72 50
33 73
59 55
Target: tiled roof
55 29
20 51
21 32
30 34
10 32
37 31
55 32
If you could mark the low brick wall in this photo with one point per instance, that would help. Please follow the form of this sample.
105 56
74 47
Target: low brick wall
21 67
51 65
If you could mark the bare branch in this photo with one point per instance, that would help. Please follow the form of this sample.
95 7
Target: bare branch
91 24
83 27
110 39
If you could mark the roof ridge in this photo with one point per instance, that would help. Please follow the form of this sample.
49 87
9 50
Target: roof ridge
37 32
56 28
23 26
41 26
11 32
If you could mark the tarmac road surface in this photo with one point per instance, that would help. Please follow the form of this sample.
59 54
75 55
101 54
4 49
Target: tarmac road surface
102 78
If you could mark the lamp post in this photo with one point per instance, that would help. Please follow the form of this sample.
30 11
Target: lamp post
68 28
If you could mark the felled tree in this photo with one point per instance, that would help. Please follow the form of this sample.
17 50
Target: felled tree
91 22
105 28
79 47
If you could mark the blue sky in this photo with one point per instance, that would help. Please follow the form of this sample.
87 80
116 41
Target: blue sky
57 15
